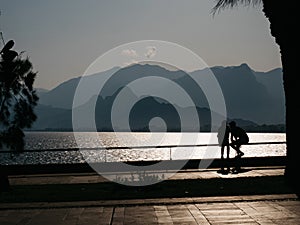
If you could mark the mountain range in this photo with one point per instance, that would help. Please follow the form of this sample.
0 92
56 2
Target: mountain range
251 98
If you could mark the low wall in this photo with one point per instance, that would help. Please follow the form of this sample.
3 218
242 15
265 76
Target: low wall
139 165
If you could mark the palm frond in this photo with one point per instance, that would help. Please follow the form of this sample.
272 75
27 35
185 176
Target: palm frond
222 4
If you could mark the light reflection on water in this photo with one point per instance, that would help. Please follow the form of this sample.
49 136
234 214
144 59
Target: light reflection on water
66 140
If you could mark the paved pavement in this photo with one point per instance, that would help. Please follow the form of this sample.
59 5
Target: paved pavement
247 209
274 209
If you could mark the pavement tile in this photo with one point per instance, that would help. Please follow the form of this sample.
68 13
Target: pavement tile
287 221
256 212
195 212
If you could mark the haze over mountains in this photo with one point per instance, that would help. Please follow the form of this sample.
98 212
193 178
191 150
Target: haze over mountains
251 98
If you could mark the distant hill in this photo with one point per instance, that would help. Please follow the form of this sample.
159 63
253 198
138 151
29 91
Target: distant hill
273 81
50 117
62 95
41 91
251 97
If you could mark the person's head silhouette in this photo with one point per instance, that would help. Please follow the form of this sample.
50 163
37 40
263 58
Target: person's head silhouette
232 124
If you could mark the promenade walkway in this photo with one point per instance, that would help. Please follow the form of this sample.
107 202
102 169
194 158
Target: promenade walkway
273 208
189 174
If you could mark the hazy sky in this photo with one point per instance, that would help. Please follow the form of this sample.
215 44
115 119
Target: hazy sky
63 37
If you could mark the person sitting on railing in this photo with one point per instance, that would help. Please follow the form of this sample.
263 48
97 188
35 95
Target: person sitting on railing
238 138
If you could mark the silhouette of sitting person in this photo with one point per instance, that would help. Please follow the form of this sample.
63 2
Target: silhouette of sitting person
223 139
238 138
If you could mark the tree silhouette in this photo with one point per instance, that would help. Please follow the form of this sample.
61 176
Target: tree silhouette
283 26
17 100
17 97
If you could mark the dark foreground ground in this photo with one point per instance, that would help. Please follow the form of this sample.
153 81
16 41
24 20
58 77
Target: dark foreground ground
256 195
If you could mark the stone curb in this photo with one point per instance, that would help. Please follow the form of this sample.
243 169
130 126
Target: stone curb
138 202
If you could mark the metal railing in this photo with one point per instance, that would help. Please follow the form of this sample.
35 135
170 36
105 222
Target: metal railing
75 156
130 147
169 147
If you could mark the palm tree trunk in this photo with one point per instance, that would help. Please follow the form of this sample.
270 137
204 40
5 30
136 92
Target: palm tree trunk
283 27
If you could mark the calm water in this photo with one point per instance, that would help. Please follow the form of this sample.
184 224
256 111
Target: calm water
67 140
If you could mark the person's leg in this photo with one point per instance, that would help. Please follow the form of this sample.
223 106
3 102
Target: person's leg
238 157
222 157
240 153
235 146
222 171
232 145
238 163
227 161
222 151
